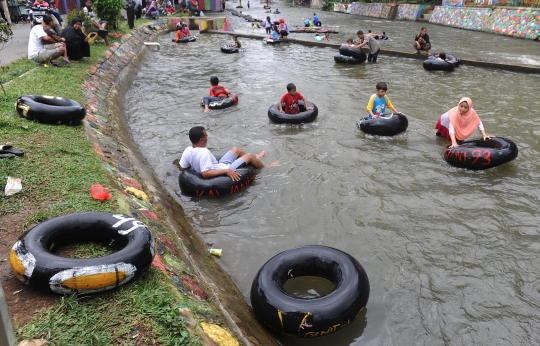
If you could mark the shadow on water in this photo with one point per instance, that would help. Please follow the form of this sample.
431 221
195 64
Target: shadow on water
451 254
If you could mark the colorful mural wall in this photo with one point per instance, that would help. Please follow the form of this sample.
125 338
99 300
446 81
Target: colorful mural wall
410 11
516 22
373 9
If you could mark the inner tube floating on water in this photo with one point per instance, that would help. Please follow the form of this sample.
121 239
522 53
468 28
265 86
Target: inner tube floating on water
389 124
480 154
340 59
433 64
272 41
451 59
50 109
355 53
306 318
193 183
267 7
185 39
223 103
229 50
301 117
33 263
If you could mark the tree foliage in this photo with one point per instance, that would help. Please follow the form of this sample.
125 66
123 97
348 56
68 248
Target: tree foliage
109 10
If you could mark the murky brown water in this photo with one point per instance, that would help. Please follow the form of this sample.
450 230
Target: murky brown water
452 255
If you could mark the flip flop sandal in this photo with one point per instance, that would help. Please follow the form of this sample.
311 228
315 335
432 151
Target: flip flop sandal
8 149
4 156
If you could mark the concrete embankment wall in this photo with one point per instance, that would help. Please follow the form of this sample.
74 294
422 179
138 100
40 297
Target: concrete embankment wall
107 128
516 22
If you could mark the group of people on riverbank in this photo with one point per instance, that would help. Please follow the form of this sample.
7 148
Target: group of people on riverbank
45 45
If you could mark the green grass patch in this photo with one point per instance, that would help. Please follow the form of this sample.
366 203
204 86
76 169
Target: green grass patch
142 313
57 170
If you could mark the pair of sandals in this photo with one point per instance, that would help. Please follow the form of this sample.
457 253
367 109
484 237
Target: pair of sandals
7 151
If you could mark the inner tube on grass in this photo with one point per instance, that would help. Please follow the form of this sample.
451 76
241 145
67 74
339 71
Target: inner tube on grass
302 117
193 183
433 64
229 50
223 103
50 109
33 263
480 154
355 53
306 318
389 124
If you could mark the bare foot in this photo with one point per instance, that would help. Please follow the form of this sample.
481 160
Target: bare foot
273 164
206 110
261 155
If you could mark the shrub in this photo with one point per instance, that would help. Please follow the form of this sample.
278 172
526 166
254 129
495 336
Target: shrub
88 27
109 10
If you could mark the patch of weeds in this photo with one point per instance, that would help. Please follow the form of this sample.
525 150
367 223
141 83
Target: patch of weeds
146 309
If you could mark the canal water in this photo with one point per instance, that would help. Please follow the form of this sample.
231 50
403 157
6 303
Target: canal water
452 255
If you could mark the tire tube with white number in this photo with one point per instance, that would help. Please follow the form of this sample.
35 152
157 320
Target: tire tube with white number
33 263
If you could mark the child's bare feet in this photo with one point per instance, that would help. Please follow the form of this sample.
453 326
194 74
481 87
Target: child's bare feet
273 164
206 110
261 155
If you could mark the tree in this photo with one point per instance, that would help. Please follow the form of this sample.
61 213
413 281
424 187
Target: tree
5 35
109 10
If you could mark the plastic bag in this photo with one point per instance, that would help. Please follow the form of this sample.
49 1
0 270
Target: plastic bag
99 192
201 14
13 186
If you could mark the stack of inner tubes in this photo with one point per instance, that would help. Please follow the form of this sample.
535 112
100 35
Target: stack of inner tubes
229 50
350 55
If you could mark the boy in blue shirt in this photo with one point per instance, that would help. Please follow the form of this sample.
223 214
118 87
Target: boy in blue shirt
379 102
275 34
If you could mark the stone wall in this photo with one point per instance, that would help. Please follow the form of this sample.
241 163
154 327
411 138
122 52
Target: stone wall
377 10
410 11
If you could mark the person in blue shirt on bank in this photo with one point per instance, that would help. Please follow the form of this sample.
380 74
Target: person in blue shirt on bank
379 102
316 20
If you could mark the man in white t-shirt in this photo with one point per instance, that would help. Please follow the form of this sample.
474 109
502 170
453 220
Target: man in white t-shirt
202 161
40 52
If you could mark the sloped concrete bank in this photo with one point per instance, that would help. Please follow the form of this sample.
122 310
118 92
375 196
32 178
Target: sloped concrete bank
146 200
392 52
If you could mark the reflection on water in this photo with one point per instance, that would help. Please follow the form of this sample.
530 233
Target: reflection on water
308 287
451 254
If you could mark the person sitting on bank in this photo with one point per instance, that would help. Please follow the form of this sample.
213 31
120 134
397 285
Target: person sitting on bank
76 41
421 42
42 53
100 26
201 160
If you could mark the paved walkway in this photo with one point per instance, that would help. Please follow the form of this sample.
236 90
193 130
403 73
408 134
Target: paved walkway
17 47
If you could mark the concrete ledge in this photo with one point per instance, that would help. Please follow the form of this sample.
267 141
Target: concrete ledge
392 52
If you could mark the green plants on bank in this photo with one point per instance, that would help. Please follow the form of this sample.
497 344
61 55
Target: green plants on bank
109 10
57 170
145 312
